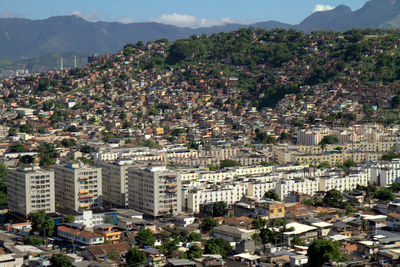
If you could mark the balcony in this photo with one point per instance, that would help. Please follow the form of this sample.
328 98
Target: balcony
84 205
84 191
86 196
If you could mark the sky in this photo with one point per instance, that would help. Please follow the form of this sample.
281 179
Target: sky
184 13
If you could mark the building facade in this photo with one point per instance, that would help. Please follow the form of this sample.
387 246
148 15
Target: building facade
78 188
115 183
155 191
30 189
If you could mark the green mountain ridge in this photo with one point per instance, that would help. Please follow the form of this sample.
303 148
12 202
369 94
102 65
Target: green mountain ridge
24 38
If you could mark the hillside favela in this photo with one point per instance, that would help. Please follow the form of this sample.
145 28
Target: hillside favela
183 133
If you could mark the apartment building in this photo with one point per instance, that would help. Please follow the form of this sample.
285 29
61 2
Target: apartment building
385 173
30 189
78 187
311 137
155 191
228 194
305 186
345 183
115 182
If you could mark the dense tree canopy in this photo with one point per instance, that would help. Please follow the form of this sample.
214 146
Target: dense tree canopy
219 209
218 246
136 257
321 251
144 238
60 260
41 224
384 194
333 198
208 223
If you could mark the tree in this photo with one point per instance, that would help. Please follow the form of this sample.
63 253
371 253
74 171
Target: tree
333 198
194 252
68 142
321 251
259 223
60 260
229 163
395 187
136 257
169 246
349 163
395 101
264 137
3 200
218 246
329 140
12 132
41 224
297 241
384 194
219 209
324 165
68 219
112 255
86 149
144 238
364 226
208 223
267 236
72 129
17 148
32 240
27 159
272 195
3 182
47 153
152 111
193 236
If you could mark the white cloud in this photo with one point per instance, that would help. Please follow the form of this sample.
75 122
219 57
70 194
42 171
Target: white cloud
127 20
183 20
321 7
93 17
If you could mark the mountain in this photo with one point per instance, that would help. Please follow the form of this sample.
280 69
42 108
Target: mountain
374 14
21 38
24 38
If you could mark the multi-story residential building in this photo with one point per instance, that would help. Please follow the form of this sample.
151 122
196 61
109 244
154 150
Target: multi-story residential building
115 182
155 191
78 187
305 186
344 183
257 190
30 189
271 209
385 173
229 194
311 137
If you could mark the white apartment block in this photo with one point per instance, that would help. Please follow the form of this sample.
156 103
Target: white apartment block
311 137
305 186
115 182
30 189
258 190
228 194
385 173
346 183
78 188
155 191
226 174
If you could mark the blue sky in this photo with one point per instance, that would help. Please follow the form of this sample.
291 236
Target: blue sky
191 13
